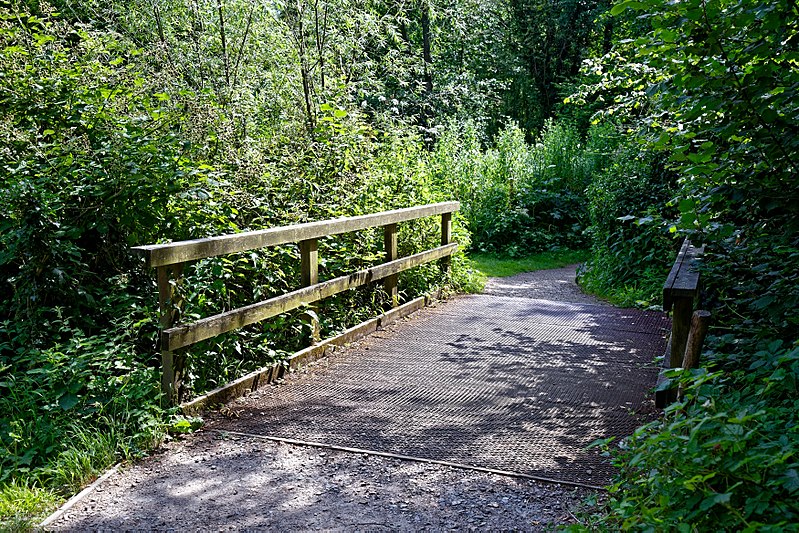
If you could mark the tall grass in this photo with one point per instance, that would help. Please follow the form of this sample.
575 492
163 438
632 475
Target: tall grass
24 504
519 198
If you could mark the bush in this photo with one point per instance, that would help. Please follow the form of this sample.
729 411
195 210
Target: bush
103 150
631 240
519 198
726 458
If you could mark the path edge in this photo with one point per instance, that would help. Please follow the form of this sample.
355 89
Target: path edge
58 513
268 374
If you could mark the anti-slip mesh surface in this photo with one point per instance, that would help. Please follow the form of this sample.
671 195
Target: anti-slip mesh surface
507 383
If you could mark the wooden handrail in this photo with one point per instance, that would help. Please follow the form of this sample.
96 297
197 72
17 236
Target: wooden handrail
680 294
206 328
170 259
683 279
156 255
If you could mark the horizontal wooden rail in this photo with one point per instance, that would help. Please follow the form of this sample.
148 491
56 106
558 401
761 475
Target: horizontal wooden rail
170 260
181 336
156 255
683 279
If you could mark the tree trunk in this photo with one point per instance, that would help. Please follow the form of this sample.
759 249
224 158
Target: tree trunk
426 55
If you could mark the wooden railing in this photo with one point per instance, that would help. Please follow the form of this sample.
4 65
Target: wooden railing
170 259
688 326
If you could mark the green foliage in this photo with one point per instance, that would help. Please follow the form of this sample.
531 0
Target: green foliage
724 458
632 246
23 506
727 127
519 198
501 267
107 145
181 425
551 40
711 88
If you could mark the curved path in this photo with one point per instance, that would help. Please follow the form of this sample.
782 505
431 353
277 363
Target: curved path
519 379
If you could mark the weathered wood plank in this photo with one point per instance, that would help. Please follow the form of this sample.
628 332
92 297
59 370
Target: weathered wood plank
179 252
234 389
680 325
309 259
178 337
390 246
675 270
309 268
700 322
446 237
263 376
169 307
683 279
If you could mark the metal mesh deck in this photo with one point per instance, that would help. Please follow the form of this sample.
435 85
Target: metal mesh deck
507 383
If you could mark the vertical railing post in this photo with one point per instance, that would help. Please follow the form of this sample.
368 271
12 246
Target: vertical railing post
169 303
446 238
309 257
390 246
309 266
682 309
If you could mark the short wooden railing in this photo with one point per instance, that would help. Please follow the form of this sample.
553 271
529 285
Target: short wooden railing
688 326
170 260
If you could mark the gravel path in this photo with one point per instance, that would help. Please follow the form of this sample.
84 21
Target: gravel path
213 481
557 285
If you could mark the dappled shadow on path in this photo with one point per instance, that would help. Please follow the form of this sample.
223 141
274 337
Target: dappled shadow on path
502 382
506 383
212 482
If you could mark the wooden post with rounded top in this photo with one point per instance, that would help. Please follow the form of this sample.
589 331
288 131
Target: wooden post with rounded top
309 266
390 247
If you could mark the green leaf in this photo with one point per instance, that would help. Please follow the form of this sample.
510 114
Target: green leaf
715 499
631 4
791 480
68 401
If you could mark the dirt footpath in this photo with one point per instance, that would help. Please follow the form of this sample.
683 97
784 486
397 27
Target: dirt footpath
211 481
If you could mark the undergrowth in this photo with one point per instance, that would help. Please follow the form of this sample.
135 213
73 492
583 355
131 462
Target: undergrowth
103 151
497 266
23 505
722 459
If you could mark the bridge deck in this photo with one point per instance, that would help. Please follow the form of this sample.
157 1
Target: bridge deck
506 382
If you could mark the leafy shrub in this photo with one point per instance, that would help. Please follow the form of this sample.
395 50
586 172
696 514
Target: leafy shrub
519 198
724 458
631 241
709 96
103 149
